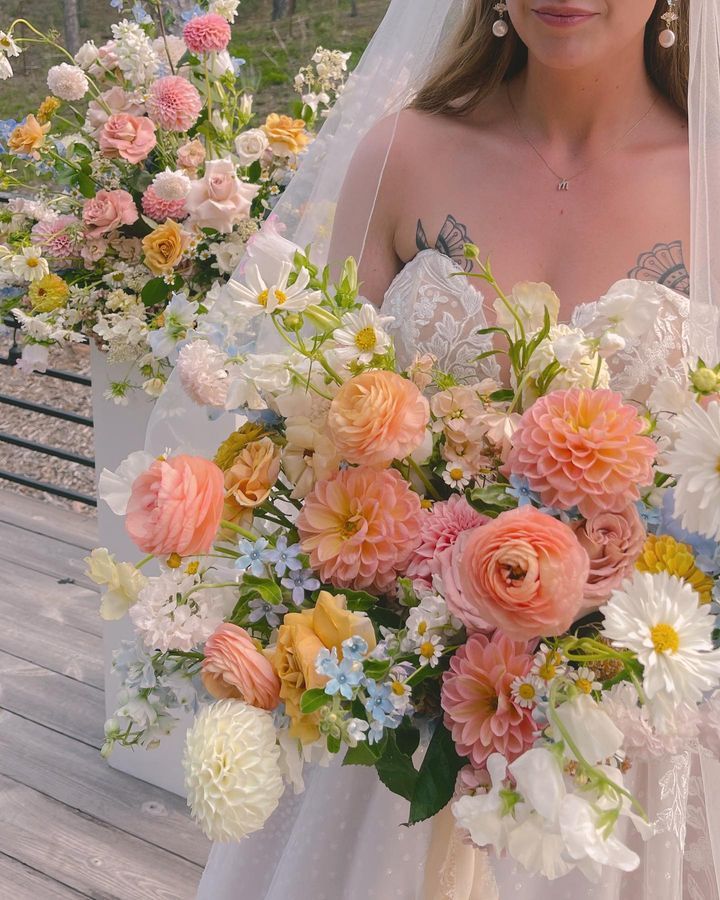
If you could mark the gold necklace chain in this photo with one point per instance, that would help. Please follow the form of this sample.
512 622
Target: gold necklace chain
564 182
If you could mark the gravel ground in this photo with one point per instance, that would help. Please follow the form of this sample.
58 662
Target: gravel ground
46 430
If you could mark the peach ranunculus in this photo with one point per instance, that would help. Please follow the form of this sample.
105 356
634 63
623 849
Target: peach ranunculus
301 637
111 103
220 199
523 573
130 137
164 247
191 156
108 210
286 136
613 541
175 506
28 137
250 479
377 417
233 667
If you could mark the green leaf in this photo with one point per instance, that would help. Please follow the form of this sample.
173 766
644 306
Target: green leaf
313 700
396 770
491 500
435 783
376 668
266 588
254 171
359 601
426 672
408 737
363 755
155 291
502 396
333 743
85 184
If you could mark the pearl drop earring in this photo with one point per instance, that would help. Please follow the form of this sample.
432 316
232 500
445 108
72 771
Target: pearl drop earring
500 26
667 36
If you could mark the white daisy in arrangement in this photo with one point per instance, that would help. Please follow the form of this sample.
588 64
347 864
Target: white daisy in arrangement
695 462
456 476
548 663
8 46
256 296
526 691
657 616
585 680
362 336
430 651
29 264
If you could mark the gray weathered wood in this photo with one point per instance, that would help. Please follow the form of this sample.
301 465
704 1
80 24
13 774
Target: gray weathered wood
77 775
22 883
42 517
49 556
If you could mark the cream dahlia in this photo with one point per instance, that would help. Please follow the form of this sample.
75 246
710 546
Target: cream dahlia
173 103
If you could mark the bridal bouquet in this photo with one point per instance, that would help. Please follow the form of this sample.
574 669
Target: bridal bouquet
496 593
146 184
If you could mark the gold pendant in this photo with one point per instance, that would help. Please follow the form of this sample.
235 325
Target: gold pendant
563 185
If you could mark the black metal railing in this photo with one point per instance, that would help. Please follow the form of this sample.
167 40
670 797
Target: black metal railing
57 452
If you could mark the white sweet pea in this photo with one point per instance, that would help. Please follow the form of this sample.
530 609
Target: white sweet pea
583 835
592 731
538 847
5 68
123 582
483 815
115 487
87 54
529 300
539 779
630 308
34 358
610 344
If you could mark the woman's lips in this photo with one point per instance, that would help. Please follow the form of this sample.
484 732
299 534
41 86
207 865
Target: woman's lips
563 18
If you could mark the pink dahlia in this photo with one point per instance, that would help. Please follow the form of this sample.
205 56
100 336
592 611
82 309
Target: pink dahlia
477 699
207 34
59 237
583 448
441 527
174 104
159 209
360 527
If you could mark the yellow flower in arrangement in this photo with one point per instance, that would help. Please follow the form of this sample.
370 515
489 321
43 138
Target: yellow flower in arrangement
28 137
287 136
164 247
48 293
663 553
47 109
230 448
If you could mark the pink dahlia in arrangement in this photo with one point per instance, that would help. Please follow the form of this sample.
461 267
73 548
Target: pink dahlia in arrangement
60 237
173 103
613 542
441 527
477 699
207 34
583 448
523 572
360 527
377 417
175 506
159 209
234 668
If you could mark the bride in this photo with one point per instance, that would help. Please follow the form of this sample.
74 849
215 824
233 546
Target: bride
553 135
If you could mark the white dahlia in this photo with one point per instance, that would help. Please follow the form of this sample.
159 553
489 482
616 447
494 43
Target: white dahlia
67 82
232 770
695 462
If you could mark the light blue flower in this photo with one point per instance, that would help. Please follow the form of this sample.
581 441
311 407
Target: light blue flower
346 676
703 547
375 733
284 557
299 582
140 14
191 13
253 556
326 662
379 703
261 609
7 126
649 514
355 648
117 4
237 63
520 489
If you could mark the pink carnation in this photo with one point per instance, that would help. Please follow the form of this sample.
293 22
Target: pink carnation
477 699
207 34
441 527
583 448
59 237
360 527
174 103
159 209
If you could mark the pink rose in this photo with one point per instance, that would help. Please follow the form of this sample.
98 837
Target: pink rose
131 137
613 542
93 249
191 155
176 506
219 199
523 573
234 668
117 101
108 210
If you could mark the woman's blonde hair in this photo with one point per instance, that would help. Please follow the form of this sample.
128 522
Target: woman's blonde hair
475 62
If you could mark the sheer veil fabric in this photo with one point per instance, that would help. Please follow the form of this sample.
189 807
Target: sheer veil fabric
278 862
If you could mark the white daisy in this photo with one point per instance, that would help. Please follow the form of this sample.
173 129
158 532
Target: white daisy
362 336
526 691
5 68
29 264
256 297
548 663
657 616
585 680
8 45
456 476
695 462
430 651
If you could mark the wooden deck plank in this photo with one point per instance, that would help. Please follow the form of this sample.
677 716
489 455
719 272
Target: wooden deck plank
22 883
85 854
44 518
76 775
47 555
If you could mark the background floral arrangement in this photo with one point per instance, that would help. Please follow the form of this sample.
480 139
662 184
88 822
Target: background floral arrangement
498 593
147 182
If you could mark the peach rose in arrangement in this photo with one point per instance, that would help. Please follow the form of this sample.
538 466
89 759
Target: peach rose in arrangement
191 156
234 668
108 210
220 199
175 506
28 137
130 137
613 542
111 103
301 637
164 247
377 417
286 136
523 572
250 479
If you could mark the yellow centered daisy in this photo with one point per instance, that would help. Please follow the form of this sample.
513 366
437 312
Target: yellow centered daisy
366 338
427 650
422 628
665 639
547 671
32 262
456 474
526 691
280 296
174 561
192 568
398 688
583 685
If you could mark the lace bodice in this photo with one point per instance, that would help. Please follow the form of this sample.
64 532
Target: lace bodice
438 310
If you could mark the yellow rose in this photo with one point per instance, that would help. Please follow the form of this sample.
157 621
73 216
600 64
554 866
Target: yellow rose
28 137
286 136
300 638
48 293
250 479
164 247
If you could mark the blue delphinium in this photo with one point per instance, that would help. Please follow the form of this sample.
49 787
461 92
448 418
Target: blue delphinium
253 556
140 14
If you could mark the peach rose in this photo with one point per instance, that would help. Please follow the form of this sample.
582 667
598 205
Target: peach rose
286 136
523 573
613 542
28 137
219 199
111 103
164 247
175 506
250 479
108 210
301 637
131 137
191 155
377 417
234 668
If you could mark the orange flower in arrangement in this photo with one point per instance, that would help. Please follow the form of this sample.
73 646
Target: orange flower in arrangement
164 247
287 136
28 137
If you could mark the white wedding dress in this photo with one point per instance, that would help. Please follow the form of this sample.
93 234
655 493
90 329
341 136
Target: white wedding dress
343 838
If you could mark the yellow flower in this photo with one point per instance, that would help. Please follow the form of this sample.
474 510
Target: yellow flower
664 554
47 109
47 294
28 137
231 446
287 136
164 247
